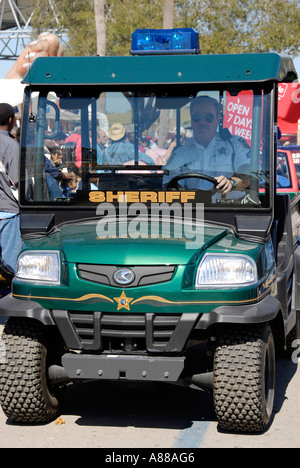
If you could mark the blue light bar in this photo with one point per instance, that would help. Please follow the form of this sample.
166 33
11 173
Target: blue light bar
165 41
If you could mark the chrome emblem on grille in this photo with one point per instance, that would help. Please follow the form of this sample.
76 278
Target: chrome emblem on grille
124 276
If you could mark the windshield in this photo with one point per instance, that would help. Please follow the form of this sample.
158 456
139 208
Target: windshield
283 171
149 145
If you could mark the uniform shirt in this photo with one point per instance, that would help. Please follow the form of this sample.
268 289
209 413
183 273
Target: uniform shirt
220 157
9 172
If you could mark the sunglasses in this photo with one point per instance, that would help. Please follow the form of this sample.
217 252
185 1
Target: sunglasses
209 118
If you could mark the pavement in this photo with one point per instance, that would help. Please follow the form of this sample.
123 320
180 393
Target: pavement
113 415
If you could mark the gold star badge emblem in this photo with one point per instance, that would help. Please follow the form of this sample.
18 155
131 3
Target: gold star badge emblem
123 301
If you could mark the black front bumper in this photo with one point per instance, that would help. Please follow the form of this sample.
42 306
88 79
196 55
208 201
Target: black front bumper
167 333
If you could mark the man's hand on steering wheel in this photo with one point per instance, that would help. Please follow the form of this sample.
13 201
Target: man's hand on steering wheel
219 183
224 184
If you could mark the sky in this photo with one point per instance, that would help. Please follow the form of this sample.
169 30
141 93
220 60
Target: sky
4 67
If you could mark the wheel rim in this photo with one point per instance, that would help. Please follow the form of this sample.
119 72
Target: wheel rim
269 376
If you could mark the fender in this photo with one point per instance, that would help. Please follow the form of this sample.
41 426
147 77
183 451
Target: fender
11 307
263 311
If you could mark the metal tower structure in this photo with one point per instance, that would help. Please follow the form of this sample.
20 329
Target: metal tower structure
15 28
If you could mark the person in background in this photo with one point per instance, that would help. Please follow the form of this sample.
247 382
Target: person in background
54 177
143 144
121 151
56 156
10 236
60 139
101 145
18 134
75 137
161 155
130 133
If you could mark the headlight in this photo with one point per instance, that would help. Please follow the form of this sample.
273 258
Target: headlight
39 266
226 270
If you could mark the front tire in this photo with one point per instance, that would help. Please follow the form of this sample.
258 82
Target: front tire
25 395
244 378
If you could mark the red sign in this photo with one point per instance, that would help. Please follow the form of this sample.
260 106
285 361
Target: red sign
288 107
282 89
289 101
238 115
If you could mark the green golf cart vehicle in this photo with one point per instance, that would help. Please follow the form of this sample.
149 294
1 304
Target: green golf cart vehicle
150 256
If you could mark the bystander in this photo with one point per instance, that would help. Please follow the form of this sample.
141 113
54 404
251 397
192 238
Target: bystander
10 237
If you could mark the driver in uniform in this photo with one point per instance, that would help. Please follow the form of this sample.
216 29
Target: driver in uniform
226 158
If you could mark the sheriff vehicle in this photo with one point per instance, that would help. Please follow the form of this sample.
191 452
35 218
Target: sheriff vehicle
149 253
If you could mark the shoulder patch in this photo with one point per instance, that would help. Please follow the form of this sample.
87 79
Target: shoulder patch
243 142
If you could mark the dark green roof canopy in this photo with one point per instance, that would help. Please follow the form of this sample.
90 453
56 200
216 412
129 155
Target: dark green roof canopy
161 69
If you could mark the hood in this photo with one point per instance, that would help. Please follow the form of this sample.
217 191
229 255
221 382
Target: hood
81 243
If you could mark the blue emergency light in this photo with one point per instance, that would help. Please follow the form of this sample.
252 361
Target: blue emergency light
165 41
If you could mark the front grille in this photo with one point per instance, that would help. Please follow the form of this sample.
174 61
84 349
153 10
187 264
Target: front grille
132 333
144 275
129 332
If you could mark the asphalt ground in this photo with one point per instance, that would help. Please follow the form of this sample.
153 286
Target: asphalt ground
139 416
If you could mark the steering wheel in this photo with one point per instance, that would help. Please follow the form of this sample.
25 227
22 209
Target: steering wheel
173 183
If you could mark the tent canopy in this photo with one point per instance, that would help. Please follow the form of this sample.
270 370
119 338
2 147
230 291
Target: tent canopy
11 91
